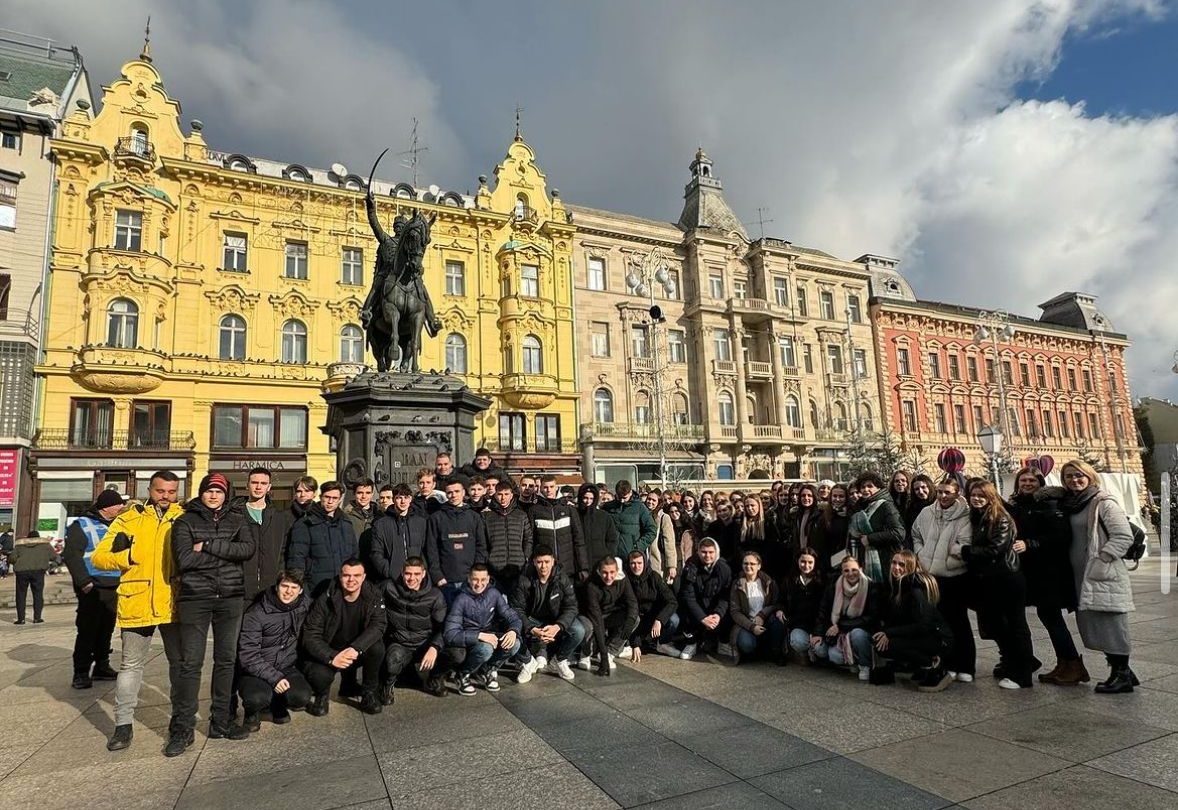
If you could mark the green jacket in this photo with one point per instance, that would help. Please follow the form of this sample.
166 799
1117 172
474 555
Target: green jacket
636 528
30 554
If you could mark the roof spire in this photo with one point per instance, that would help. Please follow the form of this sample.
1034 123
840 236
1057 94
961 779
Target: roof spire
145 54
518 110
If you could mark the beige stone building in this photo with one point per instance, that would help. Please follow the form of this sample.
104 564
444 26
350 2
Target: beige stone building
762 365
39 83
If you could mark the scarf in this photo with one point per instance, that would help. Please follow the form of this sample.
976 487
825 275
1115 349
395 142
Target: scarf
804 525
1075 502
852 610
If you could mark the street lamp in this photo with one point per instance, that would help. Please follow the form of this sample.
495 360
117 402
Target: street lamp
644 275
990 438
991 327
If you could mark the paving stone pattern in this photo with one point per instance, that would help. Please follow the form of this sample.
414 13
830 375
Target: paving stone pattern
663 734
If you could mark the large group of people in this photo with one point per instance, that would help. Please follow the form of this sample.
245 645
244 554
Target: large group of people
474 574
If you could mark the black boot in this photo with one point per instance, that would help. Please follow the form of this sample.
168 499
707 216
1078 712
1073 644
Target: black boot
370 703
81 681
318 706
120 739
178 742
103 672
252 722
230 731
1120 682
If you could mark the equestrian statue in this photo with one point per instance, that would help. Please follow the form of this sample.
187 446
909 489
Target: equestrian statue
398 306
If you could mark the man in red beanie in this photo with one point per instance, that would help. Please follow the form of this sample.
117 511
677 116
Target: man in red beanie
210 542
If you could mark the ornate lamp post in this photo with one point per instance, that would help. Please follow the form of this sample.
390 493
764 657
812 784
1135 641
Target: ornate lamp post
644 275
990 438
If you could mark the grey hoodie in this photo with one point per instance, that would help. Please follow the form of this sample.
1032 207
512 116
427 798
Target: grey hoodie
938 535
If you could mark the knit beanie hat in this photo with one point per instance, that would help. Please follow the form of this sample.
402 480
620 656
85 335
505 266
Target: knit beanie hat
214 481
107 499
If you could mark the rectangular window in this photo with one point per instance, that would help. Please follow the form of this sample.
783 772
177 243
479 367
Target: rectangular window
971 367
807 358
675 293
512 434
151 424
10 140
1007 372
1056 379
1087 375
934 364
1078 420
959 419
1063 425
1032 424
802 307
596 275
296 260
529 285
860 360
854 309
259 426
7 204
740 289
722 343
716 285
1093 425
1012 420
1048 428
1024 372
903 362
909 408
826 305
640 341
547 433
954 366
455 278
235 253
599 336
91 423
991 375
128 230
977 417
1041 376
939 417
5 292
352 266
788 357
781 291
834 358
1071 379
677 345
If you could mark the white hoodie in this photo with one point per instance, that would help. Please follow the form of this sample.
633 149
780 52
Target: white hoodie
938 535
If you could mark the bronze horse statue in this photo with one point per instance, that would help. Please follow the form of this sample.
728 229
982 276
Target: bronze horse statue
401 306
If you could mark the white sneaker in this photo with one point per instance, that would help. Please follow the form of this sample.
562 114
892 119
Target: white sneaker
586 663
689 651
541 663
612 663
1005 683
526 671
625 652
668 649
963 677
865 673
951 674
563 670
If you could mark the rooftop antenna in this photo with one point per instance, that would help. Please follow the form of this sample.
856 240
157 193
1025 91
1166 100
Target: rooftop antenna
518 110
761 221
413 152
145 54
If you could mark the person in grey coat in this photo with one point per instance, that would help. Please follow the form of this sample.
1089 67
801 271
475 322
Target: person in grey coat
1100 536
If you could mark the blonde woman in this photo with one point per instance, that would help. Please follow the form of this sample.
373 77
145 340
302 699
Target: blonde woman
912 632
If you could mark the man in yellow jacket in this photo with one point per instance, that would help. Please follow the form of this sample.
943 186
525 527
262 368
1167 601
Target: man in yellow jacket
138 545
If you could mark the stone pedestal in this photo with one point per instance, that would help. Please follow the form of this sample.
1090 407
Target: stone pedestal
388 426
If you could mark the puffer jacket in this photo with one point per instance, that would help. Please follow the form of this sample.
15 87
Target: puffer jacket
509 539
396 538
139 544
30 555
414 617
1040 522
704 591
556 524
541 604
938 535
636 528
323 621
989 548
654 595
319 545
214 572
473 613
269 640
601 535
455 540
1103 583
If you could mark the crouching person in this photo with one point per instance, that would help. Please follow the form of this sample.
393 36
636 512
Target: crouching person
483 629
546 603
658 620
267 652
847 620
343 632
912 633
416 618
754 608
703 597
611 609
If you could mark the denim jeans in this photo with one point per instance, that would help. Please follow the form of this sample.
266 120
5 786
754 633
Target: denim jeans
136 651
860 647
481 653
567 642
774 636
641 637
799 639
194 619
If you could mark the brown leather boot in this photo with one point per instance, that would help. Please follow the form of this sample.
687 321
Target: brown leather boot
1073 674
1053 675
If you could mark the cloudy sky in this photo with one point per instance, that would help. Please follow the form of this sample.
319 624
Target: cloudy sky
1004 150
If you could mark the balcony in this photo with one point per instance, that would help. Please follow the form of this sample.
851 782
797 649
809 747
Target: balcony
516 448
640 365
526 218
757 370
838 379
723 367
67 439
791 372
766 431
796 433
134 150
830 435
113 370
645 431
728 431
529 392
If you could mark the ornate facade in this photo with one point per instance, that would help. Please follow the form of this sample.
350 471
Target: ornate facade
201 301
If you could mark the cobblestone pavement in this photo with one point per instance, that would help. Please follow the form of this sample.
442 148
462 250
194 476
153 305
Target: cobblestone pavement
665 733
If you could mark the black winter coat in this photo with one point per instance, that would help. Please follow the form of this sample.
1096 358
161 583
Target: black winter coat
887 528
987 554
656 599
600 532
261 570
703 592
214 572
319 545
603 600
906 612
269 640
728 537
396 538
557 525
325 617
414 617
1042 524
509 539
539 605
802 602
455 540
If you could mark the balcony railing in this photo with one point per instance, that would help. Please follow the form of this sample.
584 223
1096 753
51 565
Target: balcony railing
511 447
728 432
797 433
67 439
641 365
790 371
723 366
766 431
642 430
760 370
747 304
133 147
838 379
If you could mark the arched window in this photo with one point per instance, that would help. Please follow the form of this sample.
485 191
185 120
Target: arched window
231 337
865 414
642 408
750 414
603 406
139 140
294 342
727 409
793 413
122 324
456 353
814 420
533 355
521 206
351 344
680 412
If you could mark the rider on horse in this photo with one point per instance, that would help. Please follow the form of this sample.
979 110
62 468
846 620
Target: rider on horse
385 256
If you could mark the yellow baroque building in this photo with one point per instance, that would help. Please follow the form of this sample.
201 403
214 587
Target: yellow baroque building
200 302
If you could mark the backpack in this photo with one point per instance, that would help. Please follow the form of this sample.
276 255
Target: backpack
1136 549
